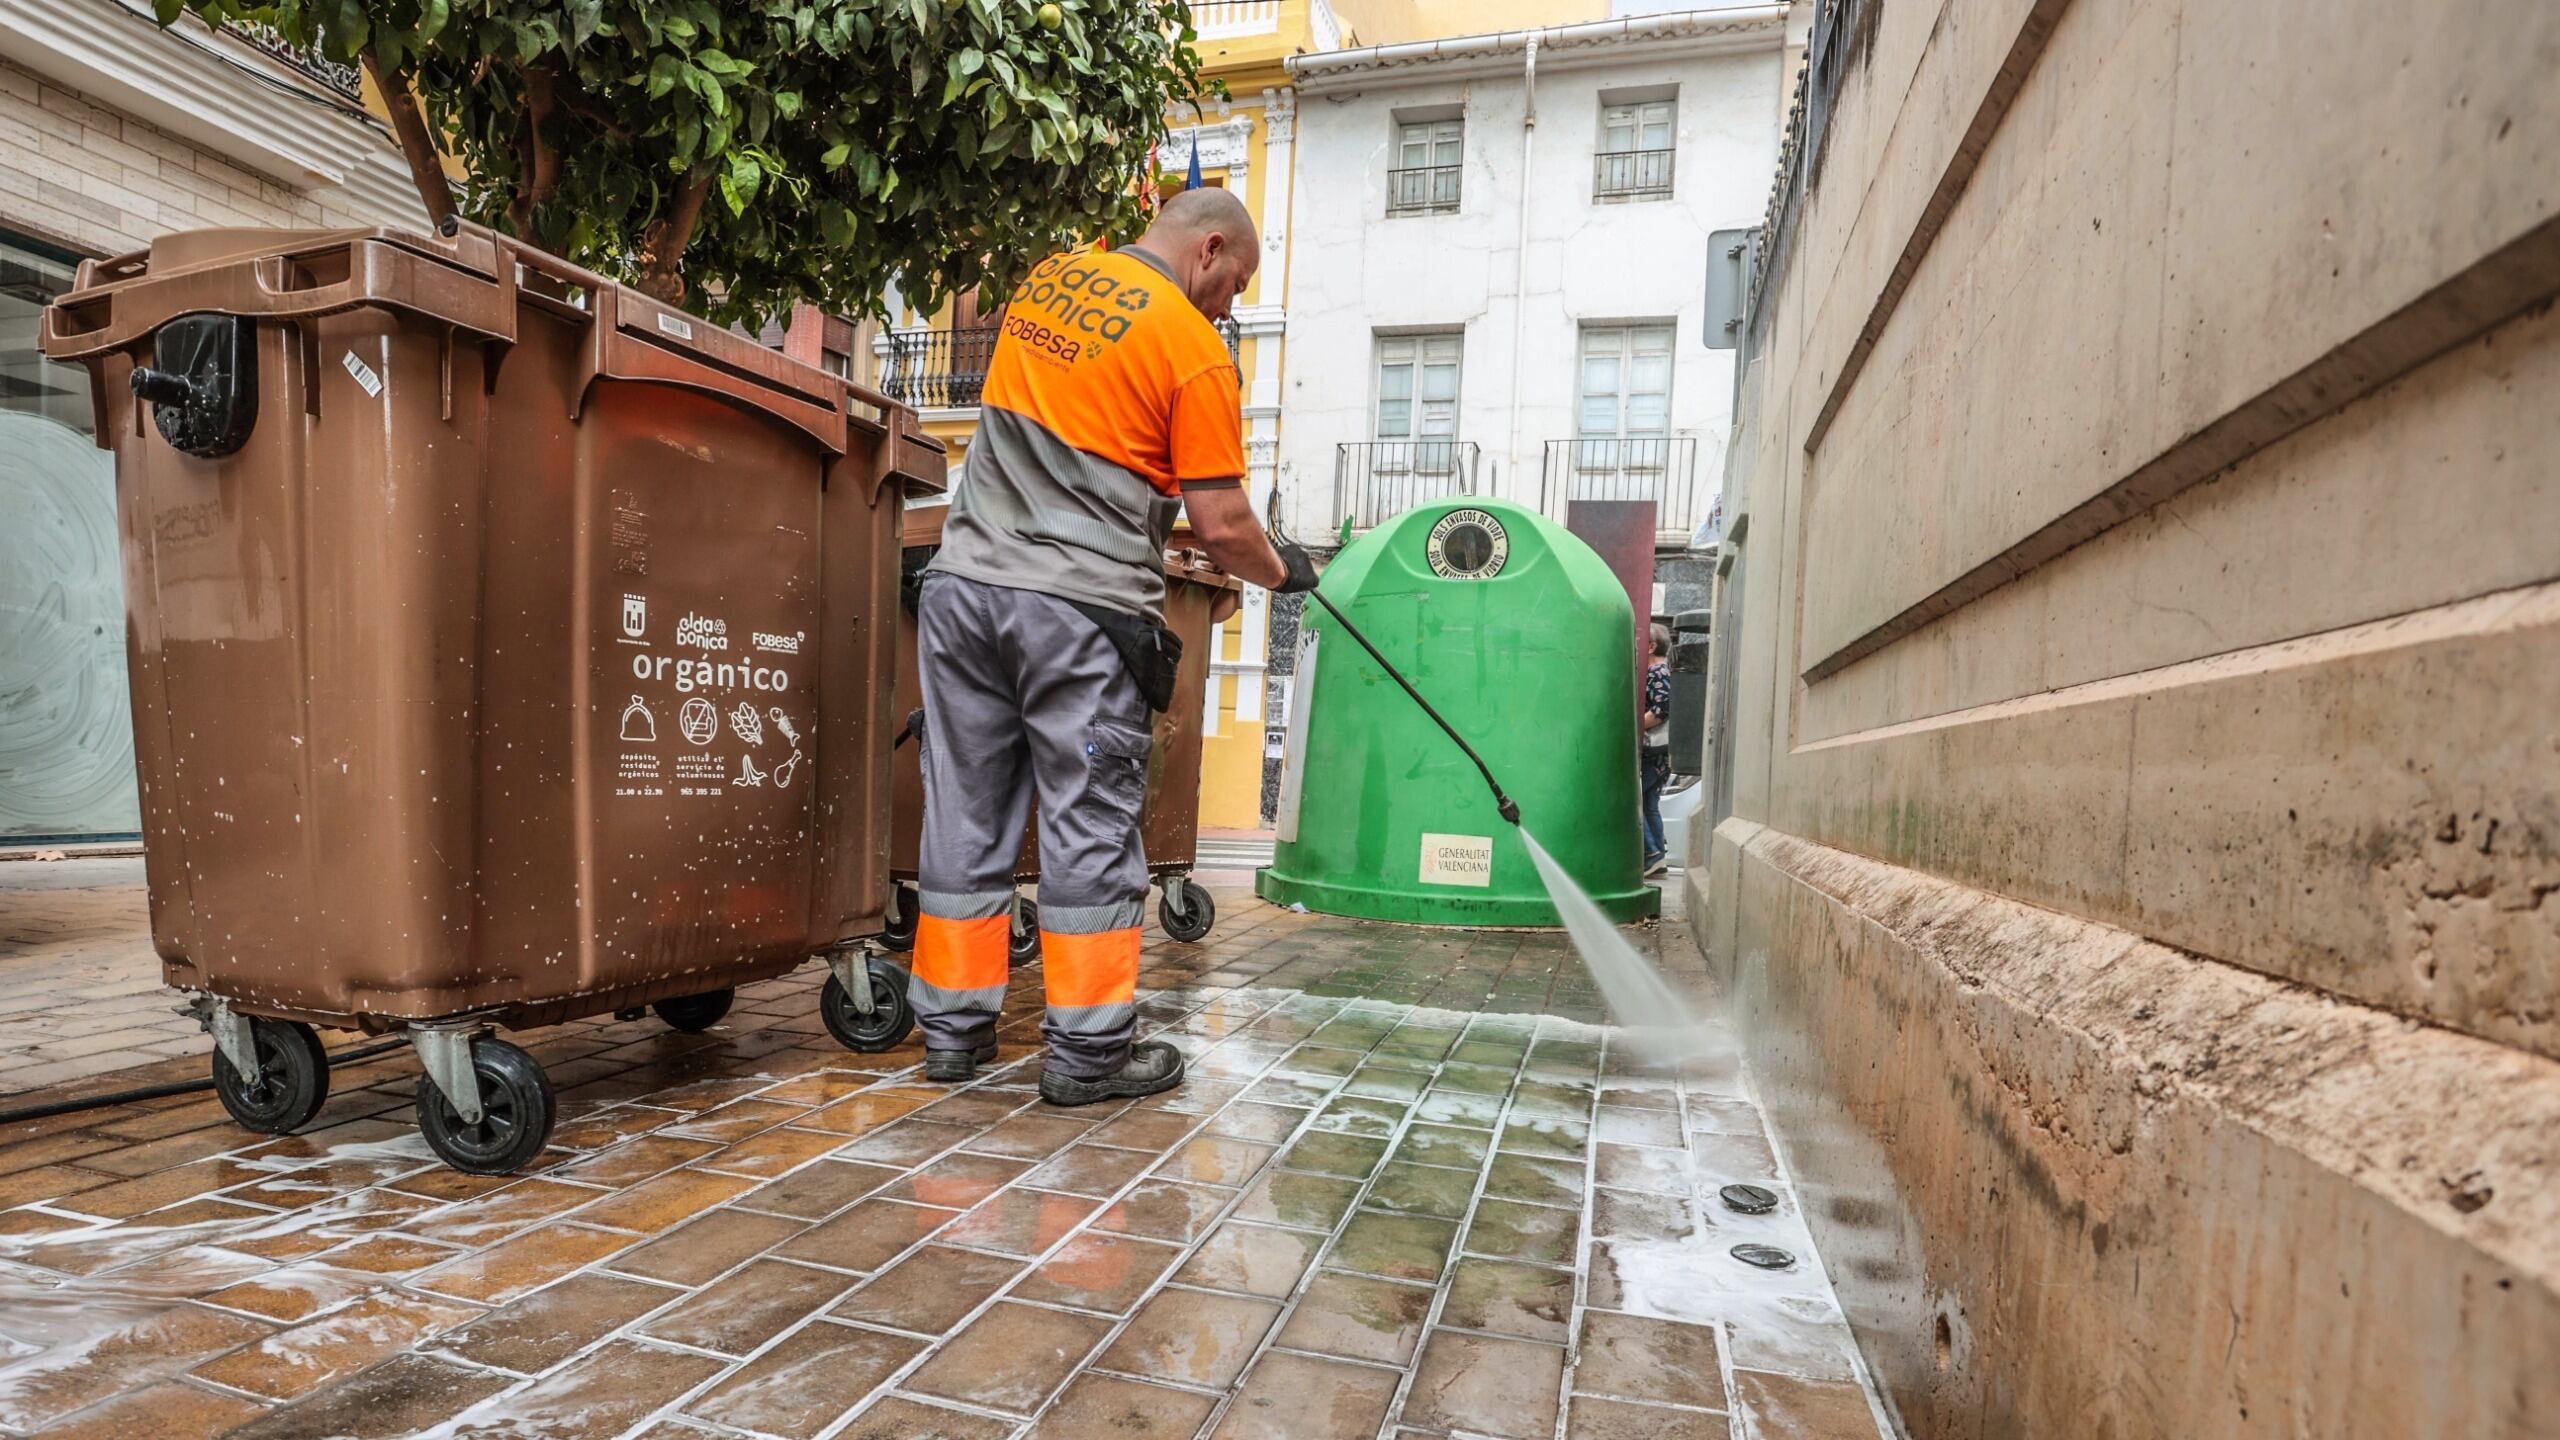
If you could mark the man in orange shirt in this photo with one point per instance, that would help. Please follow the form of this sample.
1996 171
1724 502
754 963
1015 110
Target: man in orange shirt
1110 408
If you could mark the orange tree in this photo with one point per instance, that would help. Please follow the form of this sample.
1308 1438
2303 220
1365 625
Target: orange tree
746 154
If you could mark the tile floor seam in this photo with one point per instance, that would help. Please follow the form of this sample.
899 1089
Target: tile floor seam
1651 1403
1583 1239
1186 1387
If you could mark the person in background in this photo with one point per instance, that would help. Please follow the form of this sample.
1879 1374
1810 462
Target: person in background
1656 754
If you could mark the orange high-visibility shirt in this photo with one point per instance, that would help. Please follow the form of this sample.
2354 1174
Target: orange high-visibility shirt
1109 392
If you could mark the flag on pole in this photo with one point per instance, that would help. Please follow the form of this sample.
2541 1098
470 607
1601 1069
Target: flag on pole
1192 181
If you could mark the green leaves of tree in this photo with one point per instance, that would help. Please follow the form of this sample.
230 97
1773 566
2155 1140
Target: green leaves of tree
946 142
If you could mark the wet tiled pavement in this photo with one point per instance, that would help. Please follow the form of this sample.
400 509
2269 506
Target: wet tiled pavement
1410 1189
80 992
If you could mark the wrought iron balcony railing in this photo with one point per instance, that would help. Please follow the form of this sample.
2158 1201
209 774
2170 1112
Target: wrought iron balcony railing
1659 468
947 369
1375 480
1631 175
938 369
342 78
1423 190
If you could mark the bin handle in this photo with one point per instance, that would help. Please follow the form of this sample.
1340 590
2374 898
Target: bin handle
513 252
611 353
379 275
114 267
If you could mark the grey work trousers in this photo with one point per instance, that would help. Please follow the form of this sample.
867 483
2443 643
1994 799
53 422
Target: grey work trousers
1024 696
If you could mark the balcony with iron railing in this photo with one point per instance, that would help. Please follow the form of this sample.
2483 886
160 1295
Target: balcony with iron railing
336 76
1423 190
946 369
1659 468
1631 175
1377 480
937 369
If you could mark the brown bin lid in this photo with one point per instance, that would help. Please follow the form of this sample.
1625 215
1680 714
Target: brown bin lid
475 280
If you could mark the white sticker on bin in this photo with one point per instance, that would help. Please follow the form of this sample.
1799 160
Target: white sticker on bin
1457 860
681 329
365 377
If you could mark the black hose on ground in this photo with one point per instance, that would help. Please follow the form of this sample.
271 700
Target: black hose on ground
163 1092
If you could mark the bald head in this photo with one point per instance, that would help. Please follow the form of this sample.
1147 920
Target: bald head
1206 238
1198 212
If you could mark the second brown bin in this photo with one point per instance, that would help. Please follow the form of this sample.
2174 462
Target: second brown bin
1198 596
505 647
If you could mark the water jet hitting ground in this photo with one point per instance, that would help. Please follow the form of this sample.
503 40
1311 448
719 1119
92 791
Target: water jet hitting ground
1508 613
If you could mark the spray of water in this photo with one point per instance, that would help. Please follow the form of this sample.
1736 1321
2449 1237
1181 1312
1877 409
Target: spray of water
1653 1020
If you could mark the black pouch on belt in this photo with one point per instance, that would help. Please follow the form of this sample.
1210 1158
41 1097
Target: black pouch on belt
1152 652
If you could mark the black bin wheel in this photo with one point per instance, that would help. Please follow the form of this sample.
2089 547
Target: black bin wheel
890 1019
1201 912
516 1112
694 1014
900 923
1023 946
292 1083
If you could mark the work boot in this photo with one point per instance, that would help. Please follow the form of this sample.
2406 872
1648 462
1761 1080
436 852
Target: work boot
1152 1068
956 1067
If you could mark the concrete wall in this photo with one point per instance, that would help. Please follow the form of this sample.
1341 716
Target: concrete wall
1357 272
2146 771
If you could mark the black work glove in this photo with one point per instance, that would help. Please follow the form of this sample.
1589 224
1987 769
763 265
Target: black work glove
1302 571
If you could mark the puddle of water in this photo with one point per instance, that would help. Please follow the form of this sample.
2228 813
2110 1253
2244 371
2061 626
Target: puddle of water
1698 1279
403 1147
49 1329
110 1244
1653 1019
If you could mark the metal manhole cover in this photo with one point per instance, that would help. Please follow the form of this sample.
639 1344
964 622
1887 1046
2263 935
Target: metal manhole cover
1767 1257
1749 1199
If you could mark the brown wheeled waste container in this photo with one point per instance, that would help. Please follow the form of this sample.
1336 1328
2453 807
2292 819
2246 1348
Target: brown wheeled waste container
1198 596
506 647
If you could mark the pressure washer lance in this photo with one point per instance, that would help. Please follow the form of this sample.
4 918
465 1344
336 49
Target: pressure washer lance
1510 808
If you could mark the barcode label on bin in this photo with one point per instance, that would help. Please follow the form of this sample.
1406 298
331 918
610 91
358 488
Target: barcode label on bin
681 329
365 377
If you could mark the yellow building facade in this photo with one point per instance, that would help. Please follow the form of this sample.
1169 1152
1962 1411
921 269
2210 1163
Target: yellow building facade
1244 142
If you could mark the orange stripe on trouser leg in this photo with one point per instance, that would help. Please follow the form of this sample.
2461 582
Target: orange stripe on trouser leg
962 954
1086 970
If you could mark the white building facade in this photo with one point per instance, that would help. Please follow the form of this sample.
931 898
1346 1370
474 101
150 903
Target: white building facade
1498 284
